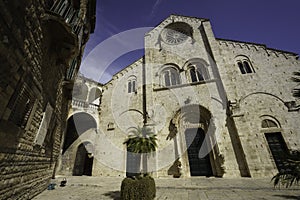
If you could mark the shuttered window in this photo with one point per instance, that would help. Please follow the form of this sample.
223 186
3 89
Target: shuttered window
21 105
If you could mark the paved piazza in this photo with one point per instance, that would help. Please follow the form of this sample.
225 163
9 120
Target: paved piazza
85 188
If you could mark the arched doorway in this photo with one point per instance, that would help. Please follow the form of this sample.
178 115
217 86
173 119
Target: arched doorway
199 166
83 164
193 131
79 127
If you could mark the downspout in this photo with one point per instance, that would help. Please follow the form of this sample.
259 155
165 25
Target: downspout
144 93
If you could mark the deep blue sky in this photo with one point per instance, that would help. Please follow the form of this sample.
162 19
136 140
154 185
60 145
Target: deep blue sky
274 23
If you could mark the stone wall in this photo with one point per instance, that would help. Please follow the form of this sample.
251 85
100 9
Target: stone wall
255 96
82 125
33 95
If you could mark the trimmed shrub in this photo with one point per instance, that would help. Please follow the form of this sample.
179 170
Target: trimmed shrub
139 188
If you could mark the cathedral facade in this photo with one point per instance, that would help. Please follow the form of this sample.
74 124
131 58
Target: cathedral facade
219 107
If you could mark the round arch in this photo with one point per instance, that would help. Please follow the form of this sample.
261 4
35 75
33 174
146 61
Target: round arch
94 94
263 93
196 70
192 130
195 61
268 121
83 163
169 75
192 114
77 124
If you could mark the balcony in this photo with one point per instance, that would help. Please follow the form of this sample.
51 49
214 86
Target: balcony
70 15
63 30
84 105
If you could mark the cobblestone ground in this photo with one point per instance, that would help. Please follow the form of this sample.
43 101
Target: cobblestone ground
86 188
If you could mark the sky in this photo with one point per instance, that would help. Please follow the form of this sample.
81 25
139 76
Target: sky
121 25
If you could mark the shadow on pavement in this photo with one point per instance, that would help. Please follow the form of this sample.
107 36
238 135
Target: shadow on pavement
113 194
289 196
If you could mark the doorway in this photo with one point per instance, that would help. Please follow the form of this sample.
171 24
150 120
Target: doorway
83 162
194 140
278 148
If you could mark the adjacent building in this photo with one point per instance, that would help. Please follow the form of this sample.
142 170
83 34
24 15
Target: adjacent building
41 45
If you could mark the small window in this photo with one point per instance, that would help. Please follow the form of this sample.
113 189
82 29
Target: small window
241 66
267 123
131 86
247 67
244 65
22 105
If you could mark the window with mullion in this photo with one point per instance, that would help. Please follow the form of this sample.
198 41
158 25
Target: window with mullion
131 86
170 77
244 65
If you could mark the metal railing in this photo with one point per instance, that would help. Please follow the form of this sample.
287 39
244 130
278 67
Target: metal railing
71 16
71 70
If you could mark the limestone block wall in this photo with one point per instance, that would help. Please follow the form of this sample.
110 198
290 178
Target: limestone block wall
84 110
120 112
25 168
253 96
33 98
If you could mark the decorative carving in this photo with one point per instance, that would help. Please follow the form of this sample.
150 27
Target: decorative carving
173 131
176 33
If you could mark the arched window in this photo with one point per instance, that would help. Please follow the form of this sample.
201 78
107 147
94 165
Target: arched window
197 72
170 77
131 85
267 123
244 65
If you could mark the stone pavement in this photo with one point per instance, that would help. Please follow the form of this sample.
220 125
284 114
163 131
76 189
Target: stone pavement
86 188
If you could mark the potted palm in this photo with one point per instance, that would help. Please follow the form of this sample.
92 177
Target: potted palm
142 141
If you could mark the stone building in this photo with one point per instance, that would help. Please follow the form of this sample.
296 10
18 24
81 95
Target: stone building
219 107
41 47
83 119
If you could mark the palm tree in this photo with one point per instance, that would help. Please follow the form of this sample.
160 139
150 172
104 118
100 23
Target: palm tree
296 91
291 173
142 141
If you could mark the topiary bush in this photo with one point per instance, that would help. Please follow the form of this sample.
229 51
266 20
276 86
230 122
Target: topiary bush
138 188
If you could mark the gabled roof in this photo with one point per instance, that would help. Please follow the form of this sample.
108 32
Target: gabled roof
135 63
176 17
